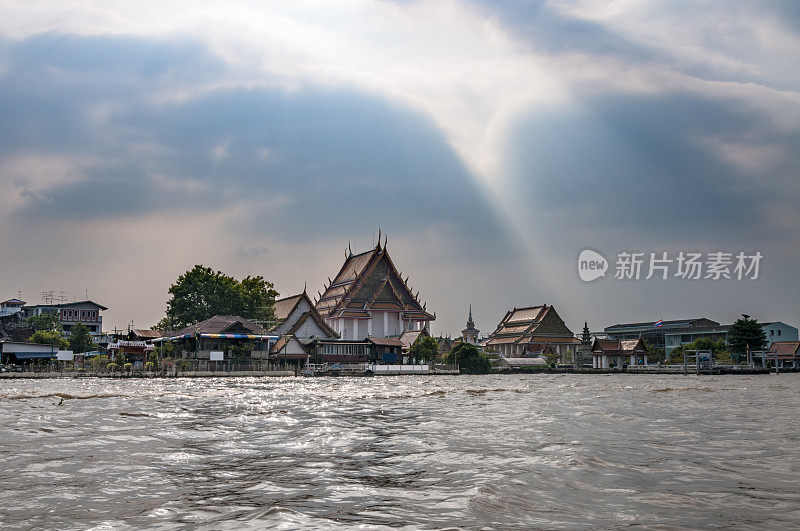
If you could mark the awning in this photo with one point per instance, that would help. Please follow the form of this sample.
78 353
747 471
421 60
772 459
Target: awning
33 355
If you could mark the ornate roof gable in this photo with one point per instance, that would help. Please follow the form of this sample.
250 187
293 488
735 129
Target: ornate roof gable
369 281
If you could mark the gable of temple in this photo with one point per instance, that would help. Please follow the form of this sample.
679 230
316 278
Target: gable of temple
370 298
369 281
551 323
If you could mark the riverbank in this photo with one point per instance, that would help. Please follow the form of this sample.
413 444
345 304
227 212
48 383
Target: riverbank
658 371
138 375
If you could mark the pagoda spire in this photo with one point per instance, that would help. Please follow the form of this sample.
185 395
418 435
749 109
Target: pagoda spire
470 333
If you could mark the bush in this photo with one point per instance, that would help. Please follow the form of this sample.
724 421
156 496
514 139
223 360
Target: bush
127 366
112 366
149 366
99 363
469 359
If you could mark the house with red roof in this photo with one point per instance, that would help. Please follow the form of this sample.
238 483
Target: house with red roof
618 352
786 352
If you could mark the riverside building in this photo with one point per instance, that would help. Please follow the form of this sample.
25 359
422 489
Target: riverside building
532 331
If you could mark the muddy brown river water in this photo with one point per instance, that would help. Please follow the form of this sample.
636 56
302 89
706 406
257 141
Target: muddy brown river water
553 451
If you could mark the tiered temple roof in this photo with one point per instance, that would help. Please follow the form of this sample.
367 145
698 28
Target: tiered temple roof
370 281
524 325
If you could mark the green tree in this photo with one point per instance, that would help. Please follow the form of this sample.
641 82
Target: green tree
80 340
45 321
201 293
424 348
165 324
241 351
656 354
49 337
469 359
746 332
718 349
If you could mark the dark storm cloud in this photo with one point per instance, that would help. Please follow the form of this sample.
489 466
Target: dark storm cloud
51 82
641 164
550 27
319 161
547 29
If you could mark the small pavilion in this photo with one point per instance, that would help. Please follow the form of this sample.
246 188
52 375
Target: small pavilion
619 352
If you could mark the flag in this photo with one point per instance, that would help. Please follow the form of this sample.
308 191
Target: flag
658 323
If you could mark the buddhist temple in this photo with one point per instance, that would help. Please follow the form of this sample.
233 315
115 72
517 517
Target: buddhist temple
368 297
532 330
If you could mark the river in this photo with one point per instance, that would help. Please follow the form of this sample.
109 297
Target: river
570 451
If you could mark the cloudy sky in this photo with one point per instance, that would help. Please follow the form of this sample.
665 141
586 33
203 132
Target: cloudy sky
491 141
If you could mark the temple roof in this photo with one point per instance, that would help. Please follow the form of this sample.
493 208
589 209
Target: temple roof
524 325
370 281
785 347
617 347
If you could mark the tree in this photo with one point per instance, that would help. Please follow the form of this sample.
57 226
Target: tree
469 359
80 340
656 354
551 356
49 337
45 321
424 348
744 333
718 349
165 324
201 293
